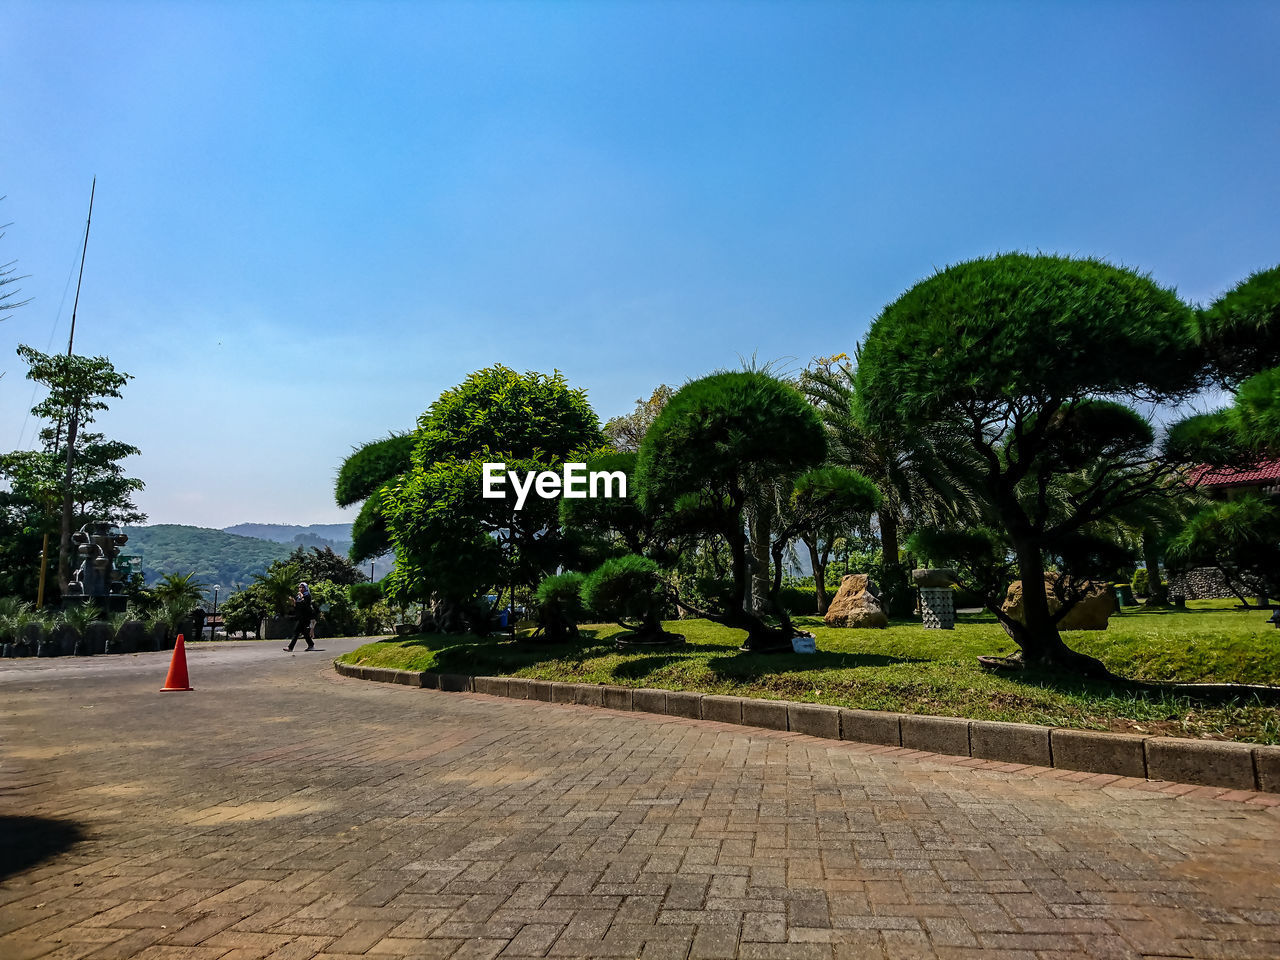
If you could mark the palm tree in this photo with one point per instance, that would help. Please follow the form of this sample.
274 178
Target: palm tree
921 473
179 590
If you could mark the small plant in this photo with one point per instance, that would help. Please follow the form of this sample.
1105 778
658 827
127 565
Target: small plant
559 607
79 616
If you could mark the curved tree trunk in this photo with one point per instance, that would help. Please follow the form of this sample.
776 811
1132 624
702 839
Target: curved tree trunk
760 524
1038 638
819 577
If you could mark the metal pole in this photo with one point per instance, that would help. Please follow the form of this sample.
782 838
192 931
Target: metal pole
44 563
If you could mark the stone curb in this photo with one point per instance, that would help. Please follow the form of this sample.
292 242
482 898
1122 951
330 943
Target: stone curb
1213 763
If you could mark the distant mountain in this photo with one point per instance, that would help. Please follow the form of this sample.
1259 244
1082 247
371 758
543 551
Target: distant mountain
216 557
336 535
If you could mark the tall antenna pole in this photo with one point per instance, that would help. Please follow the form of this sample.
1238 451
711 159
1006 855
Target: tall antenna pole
84 250
64 542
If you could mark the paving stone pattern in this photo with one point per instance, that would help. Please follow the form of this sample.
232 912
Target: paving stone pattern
283 811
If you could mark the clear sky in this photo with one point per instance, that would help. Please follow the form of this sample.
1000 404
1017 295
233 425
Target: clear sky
312 218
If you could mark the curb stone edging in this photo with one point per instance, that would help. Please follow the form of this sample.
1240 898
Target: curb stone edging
1212 763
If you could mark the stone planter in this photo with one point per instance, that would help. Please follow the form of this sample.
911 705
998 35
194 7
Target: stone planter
133 636
937 599
96 636
65 636
160 637
276 628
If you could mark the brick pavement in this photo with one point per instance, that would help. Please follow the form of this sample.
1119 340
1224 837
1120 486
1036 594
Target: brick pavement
282 811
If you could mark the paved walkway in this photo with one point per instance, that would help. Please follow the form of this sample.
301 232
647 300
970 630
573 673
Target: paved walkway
281 811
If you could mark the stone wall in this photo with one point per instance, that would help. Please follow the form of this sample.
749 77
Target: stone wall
1205 583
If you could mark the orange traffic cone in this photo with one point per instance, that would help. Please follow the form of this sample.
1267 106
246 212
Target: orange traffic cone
177 679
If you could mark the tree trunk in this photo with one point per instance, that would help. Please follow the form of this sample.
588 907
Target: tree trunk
1039 640
888 537
760 521
1158 595
819 577
64 541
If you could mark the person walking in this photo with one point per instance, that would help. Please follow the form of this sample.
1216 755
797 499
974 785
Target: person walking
304 610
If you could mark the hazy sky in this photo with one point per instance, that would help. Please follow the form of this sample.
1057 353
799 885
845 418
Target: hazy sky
312 218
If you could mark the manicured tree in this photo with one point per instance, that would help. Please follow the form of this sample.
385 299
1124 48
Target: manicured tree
1016 353
1241 538
714 439
361 479
450 540
1239 334
822 498
631 591
559 607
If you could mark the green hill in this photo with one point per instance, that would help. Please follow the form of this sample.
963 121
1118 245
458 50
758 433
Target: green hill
216 557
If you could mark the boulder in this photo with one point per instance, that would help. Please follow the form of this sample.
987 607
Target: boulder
935 577
1091 613
856 604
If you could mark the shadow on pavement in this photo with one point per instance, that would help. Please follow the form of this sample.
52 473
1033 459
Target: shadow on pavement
28 841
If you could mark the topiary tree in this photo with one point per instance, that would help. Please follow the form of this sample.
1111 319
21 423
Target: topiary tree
1023 356
1239 336
361 479
1241 538
451 542
630 591
559 607
715 440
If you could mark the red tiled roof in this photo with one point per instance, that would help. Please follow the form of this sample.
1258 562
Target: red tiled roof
1262 474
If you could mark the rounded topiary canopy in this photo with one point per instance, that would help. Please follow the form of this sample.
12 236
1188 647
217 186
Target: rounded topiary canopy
1240 331
718 431
996 330
530 415
370 466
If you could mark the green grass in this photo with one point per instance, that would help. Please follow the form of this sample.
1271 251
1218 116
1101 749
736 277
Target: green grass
910 669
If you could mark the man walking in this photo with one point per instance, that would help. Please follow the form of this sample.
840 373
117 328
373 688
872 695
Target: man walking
304 610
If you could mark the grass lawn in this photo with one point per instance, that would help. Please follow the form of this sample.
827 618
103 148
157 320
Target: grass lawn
909 669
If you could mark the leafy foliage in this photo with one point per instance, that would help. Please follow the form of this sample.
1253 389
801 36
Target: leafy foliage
630 591
1240 537
626 432
716 440
454 543
1240 331
559 608
370 466
1024 357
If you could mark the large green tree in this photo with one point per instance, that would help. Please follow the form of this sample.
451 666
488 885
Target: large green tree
451 542
1024 356
74 476
714 442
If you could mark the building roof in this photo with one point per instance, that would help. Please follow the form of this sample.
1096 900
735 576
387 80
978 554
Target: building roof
1263 474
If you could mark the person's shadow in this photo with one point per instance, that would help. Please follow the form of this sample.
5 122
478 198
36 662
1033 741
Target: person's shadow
28 841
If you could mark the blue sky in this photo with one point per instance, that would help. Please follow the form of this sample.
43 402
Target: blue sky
312 218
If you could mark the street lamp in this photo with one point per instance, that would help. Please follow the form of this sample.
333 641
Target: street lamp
213 627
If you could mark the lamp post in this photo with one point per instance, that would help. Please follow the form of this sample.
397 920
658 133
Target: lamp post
213 627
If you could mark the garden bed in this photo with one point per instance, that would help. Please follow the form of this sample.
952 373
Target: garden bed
909 669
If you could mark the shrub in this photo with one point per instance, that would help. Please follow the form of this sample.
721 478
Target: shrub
1141 588
559 607
364 595
630 591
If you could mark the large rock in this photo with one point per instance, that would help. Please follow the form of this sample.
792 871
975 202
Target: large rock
1091 613
856 604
